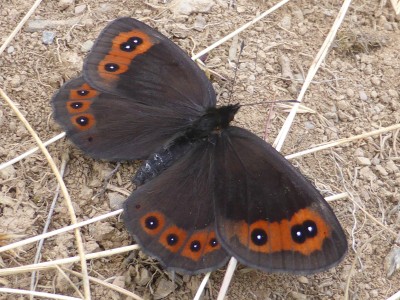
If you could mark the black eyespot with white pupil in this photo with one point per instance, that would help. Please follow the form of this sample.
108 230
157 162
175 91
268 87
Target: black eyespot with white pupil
300 233
259 237
82 121
111 67
131 44
172 239
151 222
213 242
76 105
195 246
83 92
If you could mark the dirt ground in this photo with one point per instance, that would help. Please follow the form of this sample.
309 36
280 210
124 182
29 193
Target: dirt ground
355 91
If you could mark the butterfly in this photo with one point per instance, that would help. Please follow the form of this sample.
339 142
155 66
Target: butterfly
206 190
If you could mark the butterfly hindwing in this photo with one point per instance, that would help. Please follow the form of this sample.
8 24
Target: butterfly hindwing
268 215
172 215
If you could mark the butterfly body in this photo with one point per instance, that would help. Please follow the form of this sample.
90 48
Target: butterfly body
205 128
206 190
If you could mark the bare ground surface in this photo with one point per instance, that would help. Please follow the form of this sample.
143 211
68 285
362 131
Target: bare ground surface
355 91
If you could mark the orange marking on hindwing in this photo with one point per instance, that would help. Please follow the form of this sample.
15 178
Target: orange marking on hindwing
209 247
160 219
203 239
123 58
279 234
90 121
177 233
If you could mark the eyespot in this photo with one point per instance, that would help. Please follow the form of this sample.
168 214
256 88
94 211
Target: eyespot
195 246
111 67
152 222
82 120
213 242
131 44
172 239
310 228
298 234
306 230
259 237
82 92
76 105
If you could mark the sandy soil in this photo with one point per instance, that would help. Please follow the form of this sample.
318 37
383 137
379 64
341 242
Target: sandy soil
355 91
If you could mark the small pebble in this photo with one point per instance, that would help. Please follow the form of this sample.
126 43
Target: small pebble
199 23
86 46
8 172
363 96
250 89
393 93
391 167
309 125
15 81
48 37
10 49
375 81
303 279
298 296
350 92
363 161
286 22
64 4
381 170
80 9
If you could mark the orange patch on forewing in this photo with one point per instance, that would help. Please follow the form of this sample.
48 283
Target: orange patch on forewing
279 234
91 121
85 106
323 231
161 222
123 58
74 93
181 235
123 66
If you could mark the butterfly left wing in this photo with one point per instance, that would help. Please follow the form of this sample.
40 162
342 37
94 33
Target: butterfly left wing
112 127
268 215
172 215
135 61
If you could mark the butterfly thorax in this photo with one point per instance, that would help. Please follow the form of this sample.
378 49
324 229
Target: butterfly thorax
205 128
213 121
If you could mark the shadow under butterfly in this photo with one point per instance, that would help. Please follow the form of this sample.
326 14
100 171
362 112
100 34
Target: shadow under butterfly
206 190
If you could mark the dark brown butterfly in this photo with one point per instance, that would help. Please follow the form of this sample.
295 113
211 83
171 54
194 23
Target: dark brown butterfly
207 190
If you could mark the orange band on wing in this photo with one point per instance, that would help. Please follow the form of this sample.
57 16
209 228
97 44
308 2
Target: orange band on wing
83 122
178 235
199 244
120 58
153 222
279 234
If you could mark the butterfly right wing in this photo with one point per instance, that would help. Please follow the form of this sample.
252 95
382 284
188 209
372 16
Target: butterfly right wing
112 127
172 215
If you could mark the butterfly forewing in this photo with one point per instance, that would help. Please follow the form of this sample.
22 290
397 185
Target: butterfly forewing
135 61
268 215
112 127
